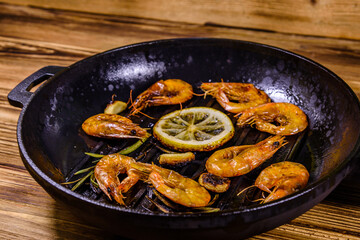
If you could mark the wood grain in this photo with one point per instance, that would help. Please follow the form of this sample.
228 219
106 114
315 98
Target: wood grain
330 18
342 55
33 37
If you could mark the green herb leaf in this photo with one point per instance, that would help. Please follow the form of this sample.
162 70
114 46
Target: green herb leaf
133 147
82 181
95 155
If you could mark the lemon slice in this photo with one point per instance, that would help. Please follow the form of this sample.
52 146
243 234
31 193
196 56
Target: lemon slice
194 129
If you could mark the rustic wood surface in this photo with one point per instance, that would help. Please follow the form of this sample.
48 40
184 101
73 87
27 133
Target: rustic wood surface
331 18
38 33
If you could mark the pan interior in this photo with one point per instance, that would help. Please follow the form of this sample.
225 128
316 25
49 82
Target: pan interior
51 123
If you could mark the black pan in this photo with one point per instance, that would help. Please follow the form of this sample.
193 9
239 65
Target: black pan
52 146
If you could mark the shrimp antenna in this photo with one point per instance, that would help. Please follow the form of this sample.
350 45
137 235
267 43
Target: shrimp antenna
261 200
146 115
131 101
245 189
130 98
206 92
199 94
113 97
135 110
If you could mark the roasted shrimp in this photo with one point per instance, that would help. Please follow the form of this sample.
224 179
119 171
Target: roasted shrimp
239 160
112 126
163 92
107 171
275 118
245 95
179 189
284 178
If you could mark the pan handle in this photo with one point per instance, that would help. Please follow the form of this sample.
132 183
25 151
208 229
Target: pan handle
21 94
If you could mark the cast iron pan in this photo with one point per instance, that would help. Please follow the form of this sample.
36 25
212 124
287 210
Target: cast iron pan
52 145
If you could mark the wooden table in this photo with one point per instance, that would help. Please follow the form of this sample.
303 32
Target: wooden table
37 33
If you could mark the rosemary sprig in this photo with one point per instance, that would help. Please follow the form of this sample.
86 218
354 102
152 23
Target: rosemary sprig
213 200
133 147
67 183
84 170
125 151
93 180
207 209
95 155
82 180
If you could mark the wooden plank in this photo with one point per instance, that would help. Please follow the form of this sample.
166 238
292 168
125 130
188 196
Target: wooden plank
61 40
330 18
27 211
